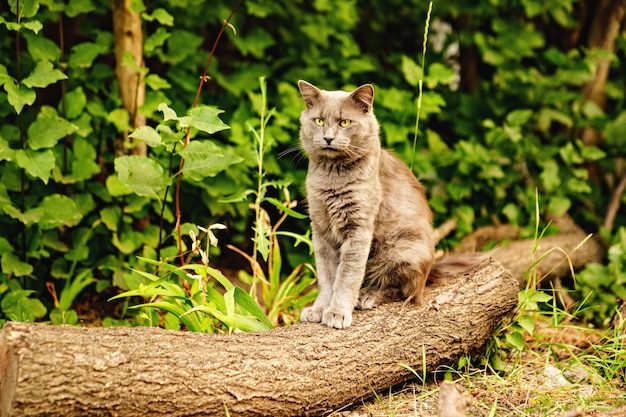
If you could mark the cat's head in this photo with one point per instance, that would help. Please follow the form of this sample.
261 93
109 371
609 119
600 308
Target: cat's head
338 124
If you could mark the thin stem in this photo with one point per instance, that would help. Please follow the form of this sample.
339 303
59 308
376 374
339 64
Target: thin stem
187 134
421 82
260 194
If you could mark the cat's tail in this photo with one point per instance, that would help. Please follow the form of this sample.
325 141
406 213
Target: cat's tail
454 265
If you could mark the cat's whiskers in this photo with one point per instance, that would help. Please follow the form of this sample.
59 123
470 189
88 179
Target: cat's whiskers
297 151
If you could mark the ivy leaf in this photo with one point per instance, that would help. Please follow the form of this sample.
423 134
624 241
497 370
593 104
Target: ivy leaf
160 15
19 307
75 102
43 75
83 54
27 8
4 75
37 164
42 48
168 112
58 210
76 7
19 96
156 40
411 71
205 159
206 119
143 176
6 153
46 131
148 135
30 217
157 83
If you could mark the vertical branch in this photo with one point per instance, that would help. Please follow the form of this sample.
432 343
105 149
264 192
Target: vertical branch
128 35
179 175
604 30
63 97
21 128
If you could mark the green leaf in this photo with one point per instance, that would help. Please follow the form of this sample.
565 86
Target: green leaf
19 95
615 131
156 40
205 159
516 340
46 131
282 207
59 210
527 323
439 73
120 118
43 75
38 164
17 306
168 113
518 117
157 83
75 102
4 75
206 119
143 176
76 7
160 15
411 71
27 8
83 54
148 135
6 153
11 265
246 302
42 48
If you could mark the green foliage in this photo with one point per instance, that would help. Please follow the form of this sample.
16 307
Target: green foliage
76 197
603 286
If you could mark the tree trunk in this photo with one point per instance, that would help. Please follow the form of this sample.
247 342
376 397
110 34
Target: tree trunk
129 40
305 369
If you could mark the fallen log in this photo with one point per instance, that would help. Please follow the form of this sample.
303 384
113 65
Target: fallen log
303 370
570 249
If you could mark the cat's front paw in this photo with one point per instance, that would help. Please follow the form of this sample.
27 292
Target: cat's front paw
337 318
311 315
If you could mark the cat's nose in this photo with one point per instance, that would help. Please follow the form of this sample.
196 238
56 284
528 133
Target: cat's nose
328 140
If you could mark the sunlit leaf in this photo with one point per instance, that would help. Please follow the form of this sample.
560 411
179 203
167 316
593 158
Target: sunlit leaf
47 129
205 159
11 265
148 135
59 210
43 75
38 164
206 119
143 176
19 95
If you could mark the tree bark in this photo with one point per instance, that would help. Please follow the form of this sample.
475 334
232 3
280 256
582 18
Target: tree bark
129 40
303 370
569 250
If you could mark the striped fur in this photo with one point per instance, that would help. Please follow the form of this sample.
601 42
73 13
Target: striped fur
372 231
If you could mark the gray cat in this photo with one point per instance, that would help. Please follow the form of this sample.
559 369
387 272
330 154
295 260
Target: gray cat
372 226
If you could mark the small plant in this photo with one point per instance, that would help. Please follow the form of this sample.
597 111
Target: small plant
188 293
602 286
283 297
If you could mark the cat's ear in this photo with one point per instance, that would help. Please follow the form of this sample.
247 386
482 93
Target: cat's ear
364 97
310 93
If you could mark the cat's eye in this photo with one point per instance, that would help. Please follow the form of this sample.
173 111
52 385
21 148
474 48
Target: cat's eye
344 123
318 121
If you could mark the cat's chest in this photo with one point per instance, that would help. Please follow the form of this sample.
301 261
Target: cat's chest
337 208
